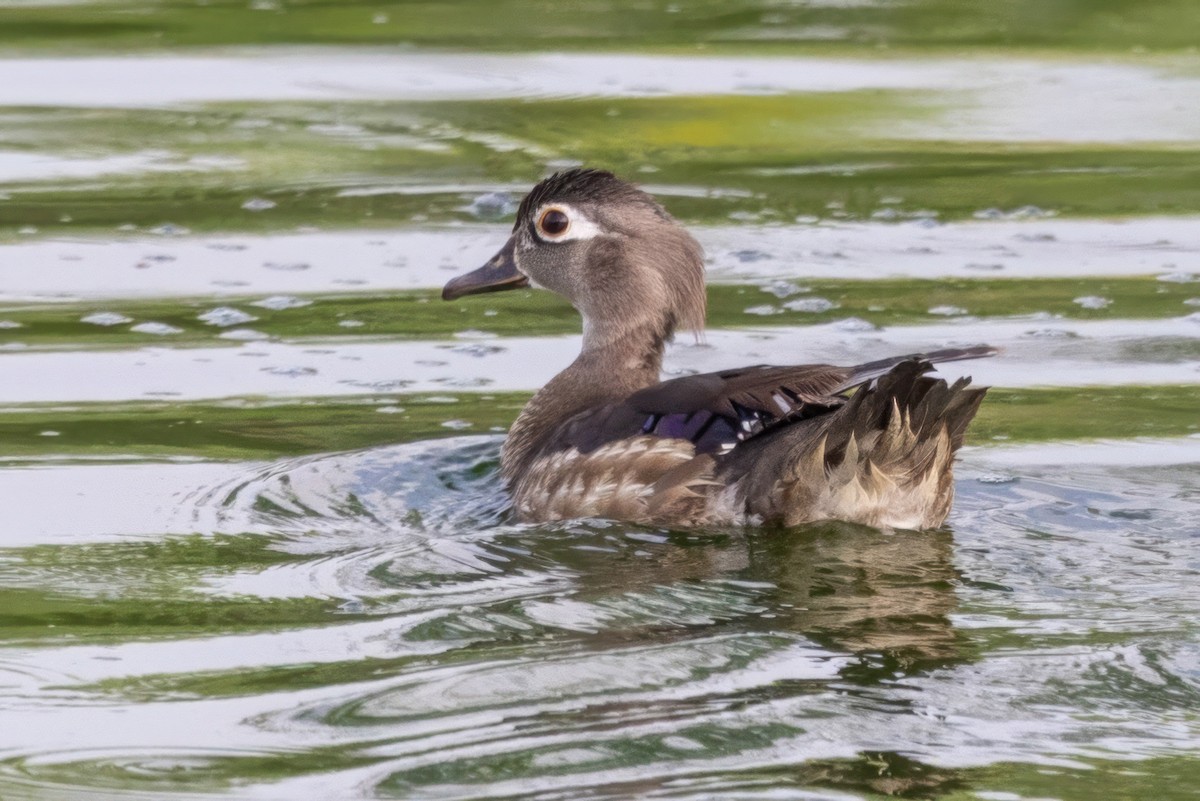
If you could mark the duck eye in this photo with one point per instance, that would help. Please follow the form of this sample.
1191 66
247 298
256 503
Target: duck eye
554 222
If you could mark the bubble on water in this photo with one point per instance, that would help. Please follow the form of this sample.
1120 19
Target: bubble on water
855 325
1192 302
784 289
1020 213
1179 278
244 335
225 316
750 256
352 607
390 409
1050 333
281 302
14 346
169 229
259 204
290 372
947 311
1031 213
478 349
457 425
49 433
807 219
492 205
764 310
810 305
8 325
380 19
463 382
474 333
158 329
287 266
383 385
1092 302
351 323
996 478
441 399
27 230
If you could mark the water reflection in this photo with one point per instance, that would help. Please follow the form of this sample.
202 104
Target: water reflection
879 595
409 642
884 597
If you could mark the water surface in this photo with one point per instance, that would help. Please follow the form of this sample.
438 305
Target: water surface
252 539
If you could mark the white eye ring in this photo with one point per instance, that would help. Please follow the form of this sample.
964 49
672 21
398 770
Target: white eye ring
578 224
553 223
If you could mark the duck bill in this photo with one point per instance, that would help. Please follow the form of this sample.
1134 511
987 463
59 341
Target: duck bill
499 274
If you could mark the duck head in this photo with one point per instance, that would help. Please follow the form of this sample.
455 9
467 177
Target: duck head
608 248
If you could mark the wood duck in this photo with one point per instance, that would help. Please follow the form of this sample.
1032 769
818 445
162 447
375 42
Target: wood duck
871 444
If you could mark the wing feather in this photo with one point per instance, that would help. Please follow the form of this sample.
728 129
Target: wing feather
717 411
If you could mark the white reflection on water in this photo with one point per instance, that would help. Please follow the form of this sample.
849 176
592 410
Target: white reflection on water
58 270
1034 353
1008 99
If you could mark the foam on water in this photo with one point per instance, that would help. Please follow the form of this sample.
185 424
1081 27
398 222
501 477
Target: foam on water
61 270
1034 353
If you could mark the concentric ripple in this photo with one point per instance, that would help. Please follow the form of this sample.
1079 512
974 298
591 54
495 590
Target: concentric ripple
431 649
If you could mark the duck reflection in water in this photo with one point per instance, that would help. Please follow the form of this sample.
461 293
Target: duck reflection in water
883 597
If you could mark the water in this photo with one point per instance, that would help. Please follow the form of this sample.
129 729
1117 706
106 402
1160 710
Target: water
252 539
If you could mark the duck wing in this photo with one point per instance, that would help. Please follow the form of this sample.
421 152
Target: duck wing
717 411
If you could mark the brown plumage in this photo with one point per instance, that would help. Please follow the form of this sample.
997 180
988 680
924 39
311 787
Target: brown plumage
872 443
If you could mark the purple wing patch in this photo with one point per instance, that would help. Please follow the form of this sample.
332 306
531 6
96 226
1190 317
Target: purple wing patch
709 432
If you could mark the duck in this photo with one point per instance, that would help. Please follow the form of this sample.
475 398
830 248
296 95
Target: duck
763 445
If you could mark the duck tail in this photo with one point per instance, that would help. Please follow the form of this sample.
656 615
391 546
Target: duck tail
863 373
906 404
885 458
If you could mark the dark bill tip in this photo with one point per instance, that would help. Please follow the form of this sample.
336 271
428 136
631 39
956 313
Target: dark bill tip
499 274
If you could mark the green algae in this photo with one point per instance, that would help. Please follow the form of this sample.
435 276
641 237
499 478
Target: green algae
518 25
422 314
250 429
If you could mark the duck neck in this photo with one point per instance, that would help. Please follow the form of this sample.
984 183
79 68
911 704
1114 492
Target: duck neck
611 366
630 349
